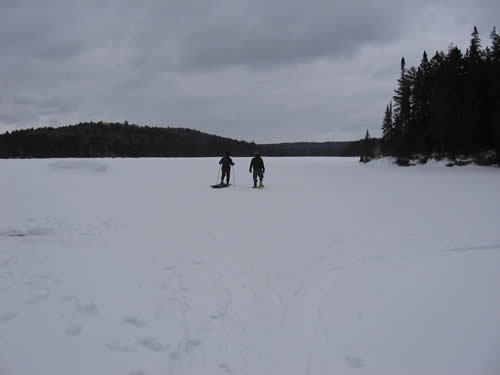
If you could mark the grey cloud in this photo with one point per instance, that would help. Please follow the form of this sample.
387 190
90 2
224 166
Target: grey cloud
284 32
262 70
29 108
10 117
260 34
34 30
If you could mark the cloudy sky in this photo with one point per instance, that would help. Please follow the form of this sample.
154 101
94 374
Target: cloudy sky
261 70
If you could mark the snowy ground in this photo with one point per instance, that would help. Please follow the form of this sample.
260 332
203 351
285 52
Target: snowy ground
137 267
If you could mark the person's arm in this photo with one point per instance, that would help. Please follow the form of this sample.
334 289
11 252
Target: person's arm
263 167
220 162
251 165
231 160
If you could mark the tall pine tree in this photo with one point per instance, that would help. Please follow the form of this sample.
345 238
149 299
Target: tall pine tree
387 128
422 92
495 47
477 115
494 94
367 148
474 52
401 112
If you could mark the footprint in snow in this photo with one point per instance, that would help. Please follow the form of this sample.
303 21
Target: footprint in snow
152 344
69 298
358 316
163 286
18 233
355 362
474 248
134 321
73 330
37 298
218 316
88 309
119 347
9 262
174 356
190 344
335 268
7 317
47 278
226 368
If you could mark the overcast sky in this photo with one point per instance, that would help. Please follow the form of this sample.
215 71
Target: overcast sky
261 70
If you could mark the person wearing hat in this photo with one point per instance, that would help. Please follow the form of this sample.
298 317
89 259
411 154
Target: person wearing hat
257 166
226 163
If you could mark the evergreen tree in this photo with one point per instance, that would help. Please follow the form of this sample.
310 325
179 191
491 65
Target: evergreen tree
494 94
474 53
367 148
387 128
402 111
449 105
477 116
495 46
422 93
456 126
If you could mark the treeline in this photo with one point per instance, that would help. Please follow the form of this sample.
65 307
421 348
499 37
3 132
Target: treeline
447 106
116 140
124 140
348 148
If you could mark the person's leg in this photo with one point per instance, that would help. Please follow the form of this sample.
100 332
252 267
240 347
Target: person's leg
228 175
223 176
254 178
261 177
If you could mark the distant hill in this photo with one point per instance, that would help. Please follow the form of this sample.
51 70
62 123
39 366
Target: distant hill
123 140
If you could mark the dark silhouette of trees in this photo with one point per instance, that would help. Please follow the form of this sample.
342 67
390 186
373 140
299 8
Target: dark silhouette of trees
116 140
124 140
401 111
493 60
368 148
387 126
448 105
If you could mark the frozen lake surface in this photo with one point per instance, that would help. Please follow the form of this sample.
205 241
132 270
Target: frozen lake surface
137 267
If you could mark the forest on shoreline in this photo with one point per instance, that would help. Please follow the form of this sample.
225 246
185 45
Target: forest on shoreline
448 106
100 139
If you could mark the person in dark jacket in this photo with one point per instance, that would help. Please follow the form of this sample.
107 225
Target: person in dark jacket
226 163
257 166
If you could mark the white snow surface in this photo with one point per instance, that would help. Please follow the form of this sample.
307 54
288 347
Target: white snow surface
138 267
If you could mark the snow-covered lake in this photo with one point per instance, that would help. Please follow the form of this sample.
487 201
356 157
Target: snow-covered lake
137 267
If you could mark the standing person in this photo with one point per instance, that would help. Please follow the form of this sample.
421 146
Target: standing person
257 165
226 163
